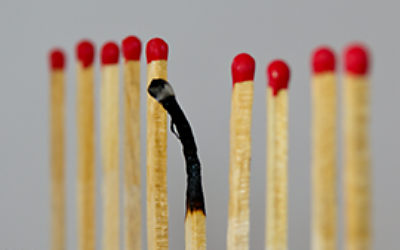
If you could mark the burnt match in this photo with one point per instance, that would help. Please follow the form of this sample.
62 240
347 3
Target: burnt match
243 68
195 221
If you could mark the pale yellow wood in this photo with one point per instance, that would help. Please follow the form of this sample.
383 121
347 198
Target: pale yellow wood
240 153
57 152
324 204
277 163
86 158
110 155
157 199
357 163
132 198
195 230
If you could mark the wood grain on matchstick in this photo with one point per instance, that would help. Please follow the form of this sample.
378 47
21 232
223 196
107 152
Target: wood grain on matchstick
195 230
57 147
243 67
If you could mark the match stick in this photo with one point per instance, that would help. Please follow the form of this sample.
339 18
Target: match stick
356 144
195 220
243 67
324 101
57 152
157 200
277 142
86 161
110 143
131 48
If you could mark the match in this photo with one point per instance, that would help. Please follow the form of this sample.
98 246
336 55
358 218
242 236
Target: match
110 144
57 148
324 100
195 220
132 48
278 75
157 197
358 231
86 146
243 68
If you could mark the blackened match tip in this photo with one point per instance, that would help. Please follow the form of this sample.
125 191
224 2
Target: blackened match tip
160 89
197 205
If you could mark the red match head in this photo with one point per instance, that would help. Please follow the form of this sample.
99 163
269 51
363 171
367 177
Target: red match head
156 49
132 48
243 67
278 75
85 53
57 59
323 60
109 53
356 59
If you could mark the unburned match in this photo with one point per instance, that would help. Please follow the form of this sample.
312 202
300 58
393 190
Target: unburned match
324 101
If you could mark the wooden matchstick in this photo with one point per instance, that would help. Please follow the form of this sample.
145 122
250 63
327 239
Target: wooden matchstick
131 48
110 144
277 142
243 67
157 200
356 149
86 158
195 220
324 100
57 148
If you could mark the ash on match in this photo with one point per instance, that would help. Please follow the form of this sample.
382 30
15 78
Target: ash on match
162 100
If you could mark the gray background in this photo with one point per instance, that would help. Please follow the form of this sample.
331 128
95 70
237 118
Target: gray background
203 38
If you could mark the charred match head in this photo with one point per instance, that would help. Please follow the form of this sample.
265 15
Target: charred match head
160 89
